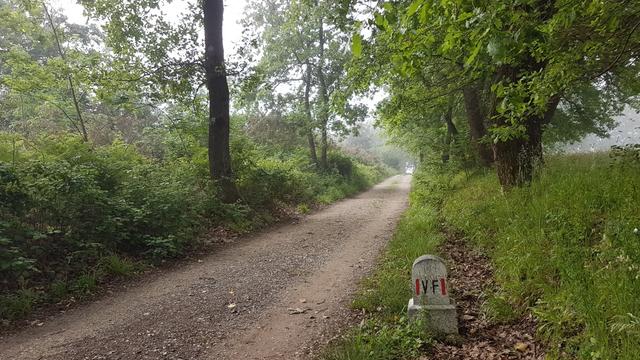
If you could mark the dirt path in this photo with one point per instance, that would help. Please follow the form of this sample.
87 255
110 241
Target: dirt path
471 278
278 294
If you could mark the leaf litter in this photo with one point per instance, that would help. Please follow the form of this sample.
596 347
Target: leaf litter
471 278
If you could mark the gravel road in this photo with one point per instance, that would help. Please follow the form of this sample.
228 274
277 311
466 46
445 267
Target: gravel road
279 294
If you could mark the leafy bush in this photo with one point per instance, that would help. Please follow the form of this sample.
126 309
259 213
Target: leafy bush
71 213
627 155
341 163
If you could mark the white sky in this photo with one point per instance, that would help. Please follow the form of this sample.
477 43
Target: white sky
233 13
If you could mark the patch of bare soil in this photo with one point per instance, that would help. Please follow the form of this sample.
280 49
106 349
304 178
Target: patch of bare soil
471 278
278 294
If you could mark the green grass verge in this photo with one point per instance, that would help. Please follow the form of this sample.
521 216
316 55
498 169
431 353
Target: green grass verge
565 248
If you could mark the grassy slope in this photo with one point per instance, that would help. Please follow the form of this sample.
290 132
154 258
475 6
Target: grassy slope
563 248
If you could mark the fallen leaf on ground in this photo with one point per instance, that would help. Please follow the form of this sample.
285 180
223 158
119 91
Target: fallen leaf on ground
522 347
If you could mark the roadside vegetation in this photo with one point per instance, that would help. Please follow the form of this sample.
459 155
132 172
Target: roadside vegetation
74 216
120 147
480 92
566 249
124 138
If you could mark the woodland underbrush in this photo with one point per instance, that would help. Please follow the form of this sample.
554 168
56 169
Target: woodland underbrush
74 216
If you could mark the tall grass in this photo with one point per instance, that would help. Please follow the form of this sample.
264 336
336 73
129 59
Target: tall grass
565 247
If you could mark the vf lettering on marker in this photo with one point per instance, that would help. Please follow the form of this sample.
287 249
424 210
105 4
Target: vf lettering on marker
433 286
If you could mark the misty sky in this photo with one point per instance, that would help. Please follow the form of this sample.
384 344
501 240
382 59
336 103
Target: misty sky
233 13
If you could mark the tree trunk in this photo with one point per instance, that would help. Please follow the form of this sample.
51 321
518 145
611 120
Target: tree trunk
452 131
312 148
517 159
324 98
219 152
324 146
476 119
307 109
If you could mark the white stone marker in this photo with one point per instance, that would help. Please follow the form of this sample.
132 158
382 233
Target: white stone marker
431 295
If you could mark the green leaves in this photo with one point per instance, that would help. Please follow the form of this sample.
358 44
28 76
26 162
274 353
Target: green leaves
474 55
414 7
356 44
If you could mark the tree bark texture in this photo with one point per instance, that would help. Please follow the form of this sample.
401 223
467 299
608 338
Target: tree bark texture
216 78
517 159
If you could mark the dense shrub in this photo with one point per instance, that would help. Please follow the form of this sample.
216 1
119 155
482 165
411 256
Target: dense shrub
64 211
71 213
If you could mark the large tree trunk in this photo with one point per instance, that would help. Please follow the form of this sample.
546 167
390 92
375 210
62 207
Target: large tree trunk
307 109
477 127
517 159
219 152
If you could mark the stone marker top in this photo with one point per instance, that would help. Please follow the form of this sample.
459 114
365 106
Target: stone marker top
428 257
429 278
